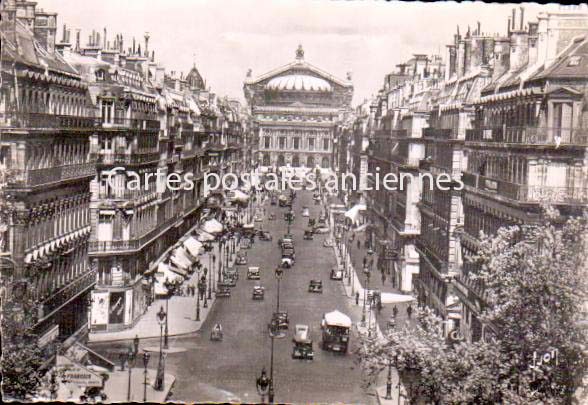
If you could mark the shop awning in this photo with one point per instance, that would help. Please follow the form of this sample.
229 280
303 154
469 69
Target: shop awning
353 213
193 246
212 226
180 261
185 255
179 271
240 196
205 236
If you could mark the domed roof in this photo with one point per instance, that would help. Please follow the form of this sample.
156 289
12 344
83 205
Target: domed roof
298 82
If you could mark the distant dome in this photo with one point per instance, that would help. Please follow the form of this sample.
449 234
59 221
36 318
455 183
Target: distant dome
298 83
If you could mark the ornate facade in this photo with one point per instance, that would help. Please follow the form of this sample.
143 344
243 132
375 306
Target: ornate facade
295 110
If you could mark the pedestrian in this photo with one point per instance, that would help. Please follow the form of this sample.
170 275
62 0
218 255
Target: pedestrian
383 277
395 311
379 305
365 262
409 311
359 244
357 298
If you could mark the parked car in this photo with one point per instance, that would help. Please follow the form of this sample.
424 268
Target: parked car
287 262
245 244
308 234
337 273
315 286
265 236
258 292
302 348
223 291
281 320
241 258
253 273
321 229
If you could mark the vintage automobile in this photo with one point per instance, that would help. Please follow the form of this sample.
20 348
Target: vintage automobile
223 291
258 292
281 320
284 201
370 251
288 251
337 273
241 258
217 333
253 273
305 212
315 286
245 244
328 242
302 343
265 236
320 229
308 234
231 272
311 222
230 280
286 262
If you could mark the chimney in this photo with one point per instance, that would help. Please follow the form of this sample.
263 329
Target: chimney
97 40
133 45
514 13
479 28
460 65
519 50
522 17
77 40
501 58
64 39
147 44
105 43
152 56
508 27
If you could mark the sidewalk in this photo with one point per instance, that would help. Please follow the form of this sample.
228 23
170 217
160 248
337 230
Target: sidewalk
117 385
182 314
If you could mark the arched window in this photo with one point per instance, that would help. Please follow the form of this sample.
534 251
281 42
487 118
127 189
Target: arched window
266 159
310 161
295 161
325 163
281 160
100 75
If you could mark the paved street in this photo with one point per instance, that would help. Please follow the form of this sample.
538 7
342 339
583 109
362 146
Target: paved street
221 371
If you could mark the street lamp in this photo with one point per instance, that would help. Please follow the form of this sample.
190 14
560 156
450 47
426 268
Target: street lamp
210 278
279 274
159 379
389 381
366 270
198 302
203 280
146 356
131 357
170 287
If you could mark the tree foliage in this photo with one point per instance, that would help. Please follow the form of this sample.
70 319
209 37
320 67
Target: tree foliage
22 358
535 280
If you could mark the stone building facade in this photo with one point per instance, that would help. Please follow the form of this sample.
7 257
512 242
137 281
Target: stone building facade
295 110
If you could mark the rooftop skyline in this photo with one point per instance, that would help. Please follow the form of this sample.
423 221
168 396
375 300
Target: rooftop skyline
225 39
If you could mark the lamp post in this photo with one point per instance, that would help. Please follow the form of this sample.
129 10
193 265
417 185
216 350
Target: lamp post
203 291
170 287
198 304
389 381
366 270
160 378
210 278
146 356
289 219
131 357
279 274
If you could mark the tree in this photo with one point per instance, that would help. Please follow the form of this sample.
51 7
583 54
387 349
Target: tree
535 280
22 358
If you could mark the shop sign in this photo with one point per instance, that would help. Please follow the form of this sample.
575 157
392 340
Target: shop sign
79 375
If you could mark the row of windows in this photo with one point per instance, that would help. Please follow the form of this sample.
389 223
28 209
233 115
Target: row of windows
62 222
295 143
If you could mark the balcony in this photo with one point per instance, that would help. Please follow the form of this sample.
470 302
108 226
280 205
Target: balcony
408 161
41 120
64 295
137 197
131 244
135 124
128 159
527 194
399 133
437 133
216 146
49 175
529 135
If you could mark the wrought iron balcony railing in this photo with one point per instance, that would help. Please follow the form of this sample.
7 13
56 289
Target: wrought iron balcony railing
17 119
49 175
437 133
125 158
525 193
529 135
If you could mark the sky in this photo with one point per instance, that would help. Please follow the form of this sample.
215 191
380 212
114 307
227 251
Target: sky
225 38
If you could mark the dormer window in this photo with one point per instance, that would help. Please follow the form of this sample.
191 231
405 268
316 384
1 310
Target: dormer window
575 60
100 75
